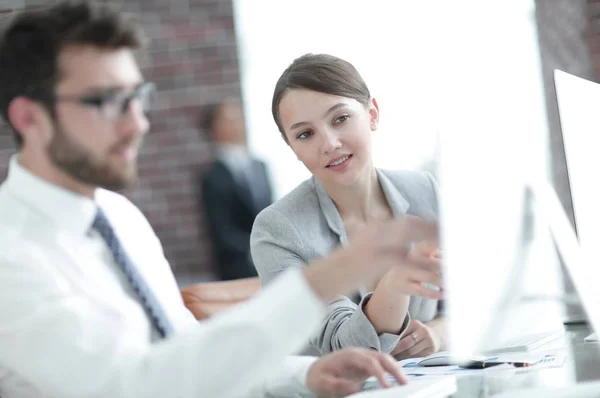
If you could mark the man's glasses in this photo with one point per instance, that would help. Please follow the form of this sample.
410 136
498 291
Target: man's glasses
114 104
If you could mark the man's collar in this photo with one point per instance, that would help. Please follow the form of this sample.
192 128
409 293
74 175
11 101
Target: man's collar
64 208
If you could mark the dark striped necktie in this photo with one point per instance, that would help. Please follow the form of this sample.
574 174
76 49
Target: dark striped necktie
151 305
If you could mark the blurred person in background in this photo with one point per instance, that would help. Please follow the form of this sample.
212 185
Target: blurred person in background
233 191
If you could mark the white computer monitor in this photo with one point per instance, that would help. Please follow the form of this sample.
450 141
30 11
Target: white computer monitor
488 229
495 211
578 102
579 107
494 173
493 136
476 314
578 262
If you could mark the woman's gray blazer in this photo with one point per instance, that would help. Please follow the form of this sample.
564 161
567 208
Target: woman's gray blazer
305 225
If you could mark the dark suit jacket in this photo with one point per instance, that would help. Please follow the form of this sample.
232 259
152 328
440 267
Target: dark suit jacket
230 210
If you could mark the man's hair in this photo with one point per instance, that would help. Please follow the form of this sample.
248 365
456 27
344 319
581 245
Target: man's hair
32 42
210 112
208 116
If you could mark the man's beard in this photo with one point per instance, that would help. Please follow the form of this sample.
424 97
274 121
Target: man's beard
79 163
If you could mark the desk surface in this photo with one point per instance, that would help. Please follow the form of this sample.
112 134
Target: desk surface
582 364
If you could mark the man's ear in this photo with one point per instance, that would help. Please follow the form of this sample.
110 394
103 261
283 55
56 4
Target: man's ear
29 119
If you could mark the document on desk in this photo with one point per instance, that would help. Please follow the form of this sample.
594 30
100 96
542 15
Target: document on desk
510 362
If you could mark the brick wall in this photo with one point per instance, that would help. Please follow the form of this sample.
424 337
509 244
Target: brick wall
193 60
593 35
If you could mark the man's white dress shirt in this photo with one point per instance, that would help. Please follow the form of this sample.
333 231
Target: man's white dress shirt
70 325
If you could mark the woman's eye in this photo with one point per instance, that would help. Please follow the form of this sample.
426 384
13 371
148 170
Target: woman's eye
303 135
342 119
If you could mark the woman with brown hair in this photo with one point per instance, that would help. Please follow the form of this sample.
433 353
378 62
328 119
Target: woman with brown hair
326 114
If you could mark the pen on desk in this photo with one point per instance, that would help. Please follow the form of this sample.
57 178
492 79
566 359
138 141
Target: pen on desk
521 364
415 374
484 364
479 364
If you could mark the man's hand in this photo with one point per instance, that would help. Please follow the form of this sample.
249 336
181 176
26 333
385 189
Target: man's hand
387 308
343 372
373 251
419 340
422 266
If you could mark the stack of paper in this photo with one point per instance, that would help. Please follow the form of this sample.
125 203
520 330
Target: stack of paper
537 360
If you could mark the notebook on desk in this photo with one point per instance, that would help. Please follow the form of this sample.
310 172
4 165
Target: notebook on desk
439 387
526 343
